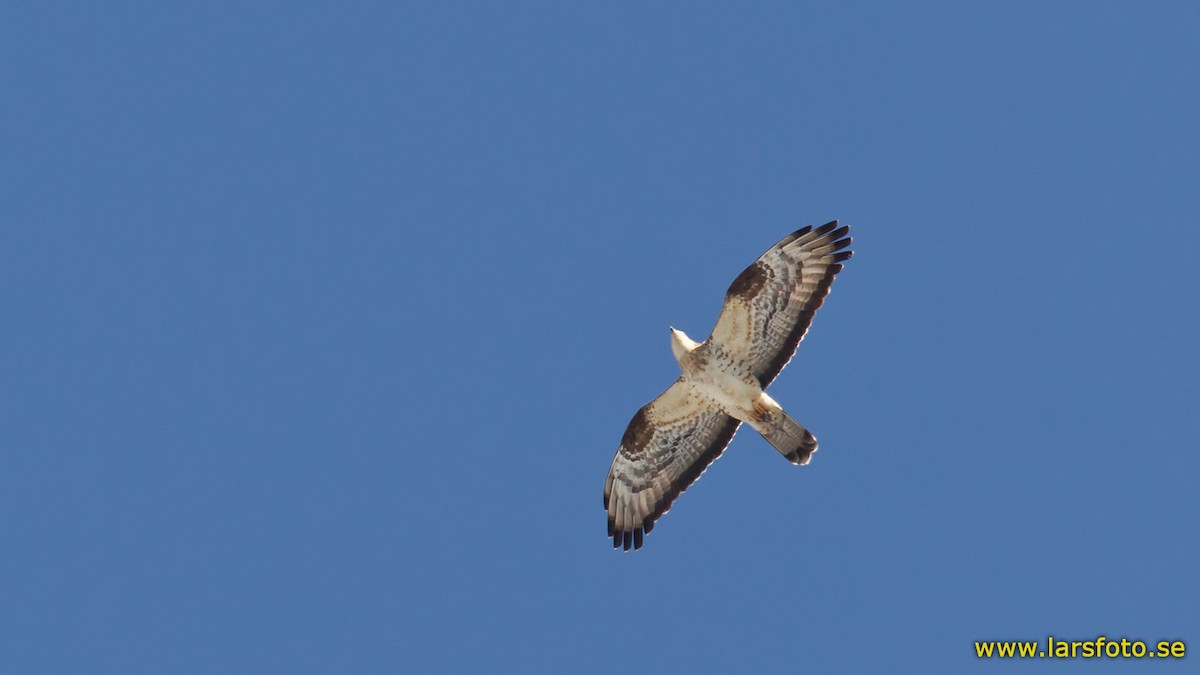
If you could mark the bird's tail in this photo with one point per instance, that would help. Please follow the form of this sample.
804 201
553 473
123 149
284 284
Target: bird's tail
787 435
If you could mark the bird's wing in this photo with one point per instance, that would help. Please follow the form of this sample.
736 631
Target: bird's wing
770 305
668 444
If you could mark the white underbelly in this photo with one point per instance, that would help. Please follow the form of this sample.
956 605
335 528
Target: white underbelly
732 394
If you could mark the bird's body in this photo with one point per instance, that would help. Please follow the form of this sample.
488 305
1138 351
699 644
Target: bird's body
720 379
671 440
715 376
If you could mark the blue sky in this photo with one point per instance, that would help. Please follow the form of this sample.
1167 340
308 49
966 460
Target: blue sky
324 321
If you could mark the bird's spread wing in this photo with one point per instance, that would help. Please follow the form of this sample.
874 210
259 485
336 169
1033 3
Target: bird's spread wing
668 444
770 305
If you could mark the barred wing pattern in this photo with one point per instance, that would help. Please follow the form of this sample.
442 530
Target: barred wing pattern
770 305
668 444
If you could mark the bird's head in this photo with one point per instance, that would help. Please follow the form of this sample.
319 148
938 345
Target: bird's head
681 344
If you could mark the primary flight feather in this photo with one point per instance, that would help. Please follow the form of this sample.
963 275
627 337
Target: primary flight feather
673 439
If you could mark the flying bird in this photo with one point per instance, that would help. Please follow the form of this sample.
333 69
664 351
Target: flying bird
673 439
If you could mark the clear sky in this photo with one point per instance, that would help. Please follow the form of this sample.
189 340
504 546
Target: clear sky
322 322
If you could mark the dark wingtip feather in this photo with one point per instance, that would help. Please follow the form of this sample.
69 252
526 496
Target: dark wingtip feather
841 256
637 539
628 540
826 228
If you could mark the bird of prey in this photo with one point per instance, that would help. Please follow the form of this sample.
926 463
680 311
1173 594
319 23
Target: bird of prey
673 439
